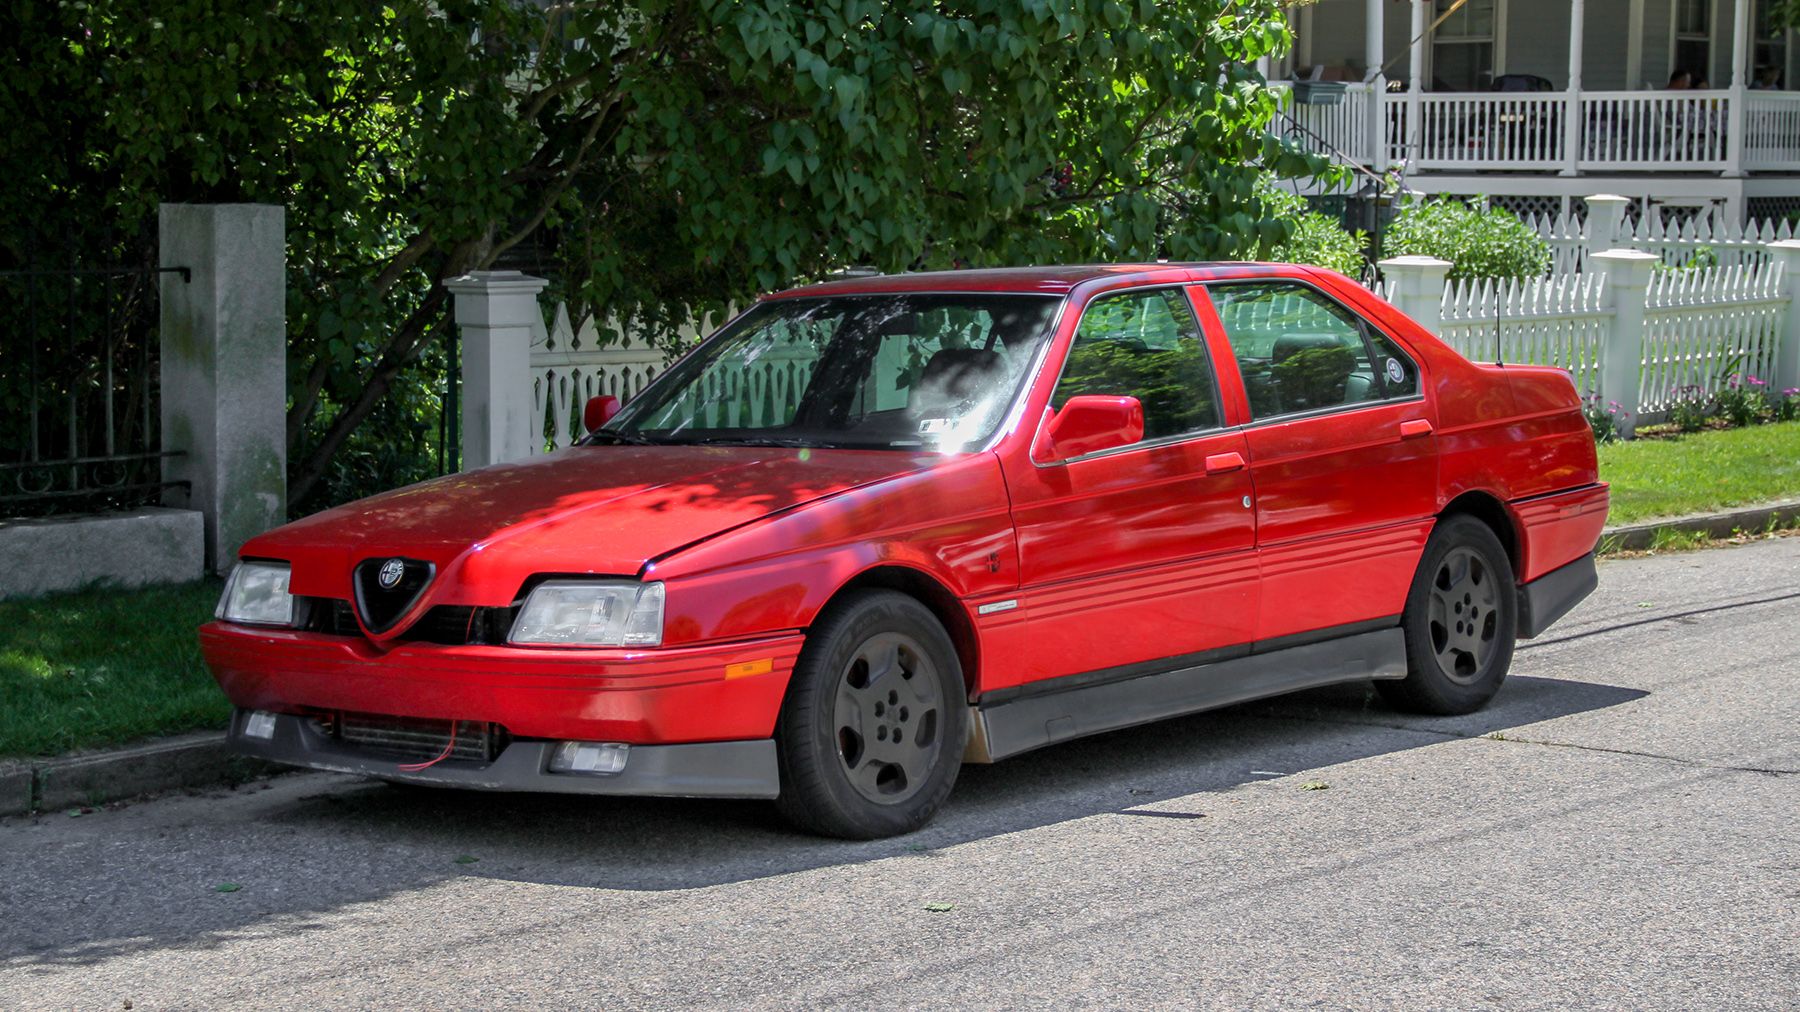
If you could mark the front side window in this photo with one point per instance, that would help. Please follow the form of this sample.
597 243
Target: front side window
1299 351
864 372
1145 345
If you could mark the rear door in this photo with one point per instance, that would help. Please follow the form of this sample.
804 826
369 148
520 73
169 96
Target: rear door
1140 553
1341 453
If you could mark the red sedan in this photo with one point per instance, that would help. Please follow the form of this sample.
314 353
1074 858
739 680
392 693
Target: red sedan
877 528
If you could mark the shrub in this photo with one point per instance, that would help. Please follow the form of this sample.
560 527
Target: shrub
1785 406
1481 243
1315 238
1692 409
1740 401
1604 418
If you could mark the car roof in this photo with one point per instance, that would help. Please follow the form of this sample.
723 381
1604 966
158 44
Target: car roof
1059 280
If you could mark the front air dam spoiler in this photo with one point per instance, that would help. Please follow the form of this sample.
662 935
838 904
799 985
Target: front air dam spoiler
718 769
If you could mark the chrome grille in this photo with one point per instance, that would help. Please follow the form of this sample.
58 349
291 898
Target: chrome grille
416 739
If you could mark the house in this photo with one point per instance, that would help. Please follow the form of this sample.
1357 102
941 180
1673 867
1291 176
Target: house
1683 105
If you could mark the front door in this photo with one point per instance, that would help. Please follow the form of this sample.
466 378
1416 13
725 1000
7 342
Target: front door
1143 553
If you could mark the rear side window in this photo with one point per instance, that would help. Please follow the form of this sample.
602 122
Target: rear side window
1299 351
1146 345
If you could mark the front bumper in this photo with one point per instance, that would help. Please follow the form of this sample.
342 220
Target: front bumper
661 696
720 769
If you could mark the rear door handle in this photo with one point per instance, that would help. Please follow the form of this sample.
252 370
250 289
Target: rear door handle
1414 428
1219 463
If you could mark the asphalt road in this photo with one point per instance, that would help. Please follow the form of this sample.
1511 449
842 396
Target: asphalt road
1621 828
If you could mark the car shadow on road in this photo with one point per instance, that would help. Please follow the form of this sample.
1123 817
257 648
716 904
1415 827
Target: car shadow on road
321 843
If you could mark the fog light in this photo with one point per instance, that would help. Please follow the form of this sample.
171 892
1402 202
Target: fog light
260 724
588 757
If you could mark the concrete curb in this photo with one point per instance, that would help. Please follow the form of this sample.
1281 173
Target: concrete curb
201 760
192 760
1639 537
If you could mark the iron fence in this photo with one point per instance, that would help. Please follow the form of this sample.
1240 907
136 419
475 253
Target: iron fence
79 416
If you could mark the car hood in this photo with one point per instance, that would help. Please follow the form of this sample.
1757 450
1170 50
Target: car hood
600 509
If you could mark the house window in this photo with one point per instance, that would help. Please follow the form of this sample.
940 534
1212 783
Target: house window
1768 63
1462 47
1693 39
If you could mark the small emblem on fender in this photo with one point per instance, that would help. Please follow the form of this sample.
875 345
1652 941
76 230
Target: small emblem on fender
391 572
993 607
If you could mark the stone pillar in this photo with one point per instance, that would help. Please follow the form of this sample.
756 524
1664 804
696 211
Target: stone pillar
1622 355
1418 287
1787 356
224 367
495 311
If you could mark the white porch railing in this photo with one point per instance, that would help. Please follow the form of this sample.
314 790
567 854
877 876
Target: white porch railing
1531 131
1341 127
1772 131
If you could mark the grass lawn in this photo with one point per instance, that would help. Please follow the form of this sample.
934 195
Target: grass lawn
1701 472
103 668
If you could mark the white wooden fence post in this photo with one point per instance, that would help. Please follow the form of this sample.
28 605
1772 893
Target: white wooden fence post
1418 287
494 312
1786 252
1622 355
1605 223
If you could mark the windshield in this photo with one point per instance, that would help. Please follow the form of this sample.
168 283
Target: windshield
869 372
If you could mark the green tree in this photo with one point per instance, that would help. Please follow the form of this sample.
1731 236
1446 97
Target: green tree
661 159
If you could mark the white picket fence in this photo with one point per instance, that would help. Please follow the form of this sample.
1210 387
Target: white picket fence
1702 326
1628 332
1561 321
1571 237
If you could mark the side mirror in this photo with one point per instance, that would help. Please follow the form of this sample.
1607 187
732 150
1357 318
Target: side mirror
599 411
1087 424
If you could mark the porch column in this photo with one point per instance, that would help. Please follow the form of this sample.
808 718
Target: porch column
1737 105
1374 32
1572 99
1305 39
1415 85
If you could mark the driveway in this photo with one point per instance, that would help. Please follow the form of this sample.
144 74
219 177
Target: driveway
1621 828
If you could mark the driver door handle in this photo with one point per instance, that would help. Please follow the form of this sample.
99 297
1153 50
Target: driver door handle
1219 463
1413 428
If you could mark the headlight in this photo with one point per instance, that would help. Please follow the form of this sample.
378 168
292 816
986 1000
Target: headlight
257 594
591 613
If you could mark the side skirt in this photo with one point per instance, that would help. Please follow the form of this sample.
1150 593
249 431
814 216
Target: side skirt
1023 723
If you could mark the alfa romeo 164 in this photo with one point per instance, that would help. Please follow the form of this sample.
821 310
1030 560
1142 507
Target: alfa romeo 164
877 528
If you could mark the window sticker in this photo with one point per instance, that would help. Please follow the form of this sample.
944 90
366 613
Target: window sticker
1396 373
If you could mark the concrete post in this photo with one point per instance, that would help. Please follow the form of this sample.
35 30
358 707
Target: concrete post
495 311
1622 355
1787 356
224 367
1418 287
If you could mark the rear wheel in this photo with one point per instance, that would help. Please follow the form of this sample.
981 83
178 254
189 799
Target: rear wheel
1461 622
872 731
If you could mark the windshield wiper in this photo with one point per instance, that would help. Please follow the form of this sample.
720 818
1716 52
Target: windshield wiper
804 444
628 438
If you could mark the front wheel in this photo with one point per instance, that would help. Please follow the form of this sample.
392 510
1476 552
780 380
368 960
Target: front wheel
1461 622
872 731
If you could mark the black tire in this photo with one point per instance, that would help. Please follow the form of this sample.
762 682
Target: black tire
856 761
1461 622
